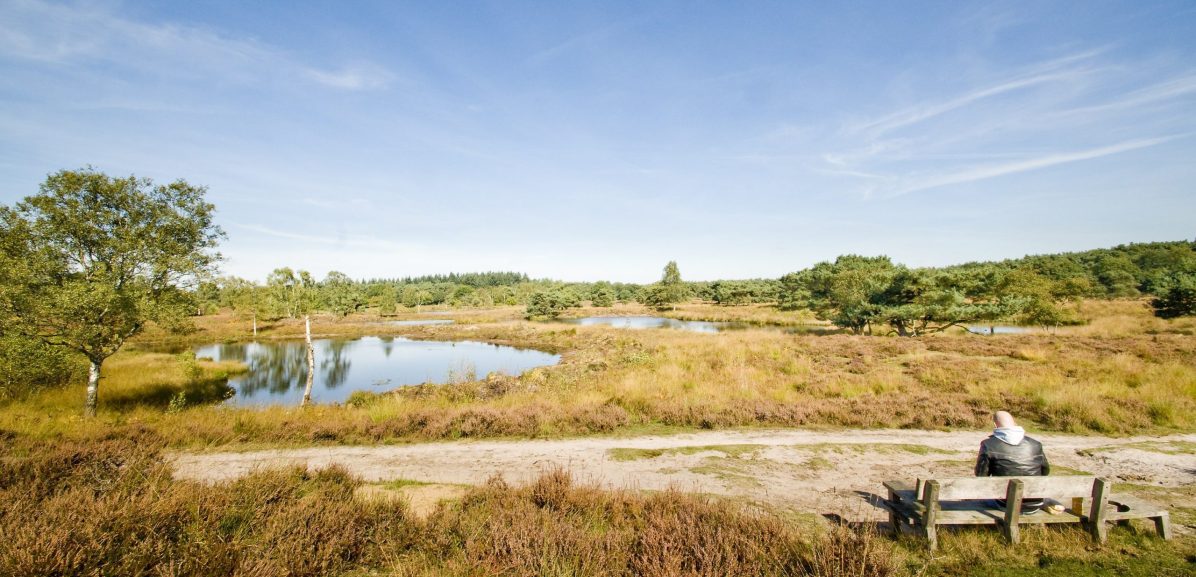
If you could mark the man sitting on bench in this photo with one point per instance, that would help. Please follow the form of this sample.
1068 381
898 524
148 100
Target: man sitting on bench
1010 453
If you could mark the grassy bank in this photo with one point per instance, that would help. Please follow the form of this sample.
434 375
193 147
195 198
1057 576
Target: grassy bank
612 380
110 506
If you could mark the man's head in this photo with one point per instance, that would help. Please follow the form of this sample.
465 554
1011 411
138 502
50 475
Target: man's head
1003 419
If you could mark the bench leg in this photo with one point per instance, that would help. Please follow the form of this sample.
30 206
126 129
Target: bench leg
1013 511
1162 525
1098 513
893 517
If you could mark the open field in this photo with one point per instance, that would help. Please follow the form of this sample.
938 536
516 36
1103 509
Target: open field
619 381
112 506
1116 397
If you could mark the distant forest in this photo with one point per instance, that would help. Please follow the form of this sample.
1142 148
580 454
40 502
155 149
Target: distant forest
869 286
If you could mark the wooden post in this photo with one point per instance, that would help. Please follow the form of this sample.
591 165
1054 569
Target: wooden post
311 362
1162 525
893 518
930 516
1013 510
1099 511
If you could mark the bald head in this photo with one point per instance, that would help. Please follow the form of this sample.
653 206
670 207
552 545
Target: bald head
1003 419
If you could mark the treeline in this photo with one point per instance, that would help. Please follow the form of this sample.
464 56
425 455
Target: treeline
855 292
866 293
473 279
1123 271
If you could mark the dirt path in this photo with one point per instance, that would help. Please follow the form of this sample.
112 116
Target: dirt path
813 471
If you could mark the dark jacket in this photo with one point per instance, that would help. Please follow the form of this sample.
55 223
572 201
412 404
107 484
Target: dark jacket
1000 459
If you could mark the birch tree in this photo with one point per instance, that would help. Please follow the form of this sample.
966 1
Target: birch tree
90 259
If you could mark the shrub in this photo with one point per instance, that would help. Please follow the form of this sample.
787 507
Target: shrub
551 303
1177 301
27 366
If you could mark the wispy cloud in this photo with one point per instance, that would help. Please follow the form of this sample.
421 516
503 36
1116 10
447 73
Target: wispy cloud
984 172
1158 93
87 33
339 241
357 77
1052 71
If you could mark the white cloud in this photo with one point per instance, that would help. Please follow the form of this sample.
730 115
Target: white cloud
357 77
86 33
1043 73
984 172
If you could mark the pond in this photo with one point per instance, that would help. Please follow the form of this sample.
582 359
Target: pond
278 370
649 323
646 322
997 329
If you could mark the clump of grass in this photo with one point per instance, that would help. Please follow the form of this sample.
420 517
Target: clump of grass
731 451
112 508
873 447
626 454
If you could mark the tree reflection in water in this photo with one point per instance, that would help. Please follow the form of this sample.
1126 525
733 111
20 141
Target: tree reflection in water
277 367
276 370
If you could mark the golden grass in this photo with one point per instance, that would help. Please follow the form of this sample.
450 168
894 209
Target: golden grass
110 506
613 380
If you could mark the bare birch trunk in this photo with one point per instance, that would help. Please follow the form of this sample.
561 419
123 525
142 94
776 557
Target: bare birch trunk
255 324
93 388
311 362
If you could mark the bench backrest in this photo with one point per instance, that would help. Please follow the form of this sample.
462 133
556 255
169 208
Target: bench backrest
1060 487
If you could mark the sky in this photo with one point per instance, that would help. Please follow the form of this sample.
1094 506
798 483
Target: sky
600 140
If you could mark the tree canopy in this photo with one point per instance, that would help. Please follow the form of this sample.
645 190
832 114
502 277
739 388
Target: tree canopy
90 259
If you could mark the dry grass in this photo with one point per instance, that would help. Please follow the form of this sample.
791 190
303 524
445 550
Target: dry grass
110 507
613 380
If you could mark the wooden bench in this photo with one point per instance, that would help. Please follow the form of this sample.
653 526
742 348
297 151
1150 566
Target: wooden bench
925 505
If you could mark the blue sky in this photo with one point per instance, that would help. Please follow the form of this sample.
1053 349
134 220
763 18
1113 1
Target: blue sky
588 140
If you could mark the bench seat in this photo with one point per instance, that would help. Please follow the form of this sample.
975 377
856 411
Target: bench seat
927 504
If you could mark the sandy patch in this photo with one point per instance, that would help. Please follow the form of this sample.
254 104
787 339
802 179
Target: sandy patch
819 471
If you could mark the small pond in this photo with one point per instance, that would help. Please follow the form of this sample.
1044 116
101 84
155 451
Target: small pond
649 323
278 370
646 322
997 329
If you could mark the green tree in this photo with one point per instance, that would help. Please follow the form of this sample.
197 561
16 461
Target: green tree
1179 300
1118 274
90 259
846 292
388 300
669 291
922 301
417 295
290 293
340 294
551 302
247 299
602 294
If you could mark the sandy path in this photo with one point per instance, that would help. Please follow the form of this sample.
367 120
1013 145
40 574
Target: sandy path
815 471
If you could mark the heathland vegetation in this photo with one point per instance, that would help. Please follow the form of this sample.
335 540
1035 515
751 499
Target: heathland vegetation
128 265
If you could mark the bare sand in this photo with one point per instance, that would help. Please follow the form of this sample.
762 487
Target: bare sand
801 470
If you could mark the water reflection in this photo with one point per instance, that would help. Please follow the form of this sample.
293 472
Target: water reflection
649 323
277 371
997 329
